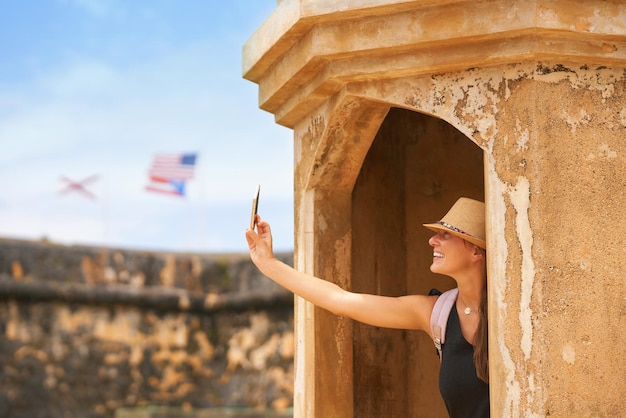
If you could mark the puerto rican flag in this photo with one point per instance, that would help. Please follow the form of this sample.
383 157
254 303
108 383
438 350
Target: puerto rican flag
169 172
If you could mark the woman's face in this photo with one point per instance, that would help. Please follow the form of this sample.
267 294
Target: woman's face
450 253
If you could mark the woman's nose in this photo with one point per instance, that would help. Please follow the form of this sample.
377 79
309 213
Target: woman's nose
432 241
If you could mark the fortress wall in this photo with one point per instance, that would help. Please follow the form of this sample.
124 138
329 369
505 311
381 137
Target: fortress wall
87 331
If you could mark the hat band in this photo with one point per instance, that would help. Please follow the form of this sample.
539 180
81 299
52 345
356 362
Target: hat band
454 228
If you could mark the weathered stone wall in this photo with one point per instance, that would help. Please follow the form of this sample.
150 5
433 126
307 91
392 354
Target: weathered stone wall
88 331
540 87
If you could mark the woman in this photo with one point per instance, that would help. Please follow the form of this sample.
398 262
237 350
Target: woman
459 252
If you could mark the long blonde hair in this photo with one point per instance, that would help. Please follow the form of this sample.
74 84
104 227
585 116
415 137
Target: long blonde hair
481 339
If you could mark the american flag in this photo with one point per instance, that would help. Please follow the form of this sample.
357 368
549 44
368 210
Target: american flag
169 172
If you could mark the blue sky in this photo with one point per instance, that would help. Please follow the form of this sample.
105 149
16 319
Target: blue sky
98 87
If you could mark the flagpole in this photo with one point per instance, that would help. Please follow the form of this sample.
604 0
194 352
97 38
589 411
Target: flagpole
202 215
199 230
186 226
105 211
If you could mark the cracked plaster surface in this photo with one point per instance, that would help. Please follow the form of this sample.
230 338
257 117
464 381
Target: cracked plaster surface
476 103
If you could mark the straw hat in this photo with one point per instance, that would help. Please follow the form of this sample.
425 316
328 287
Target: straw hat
466 219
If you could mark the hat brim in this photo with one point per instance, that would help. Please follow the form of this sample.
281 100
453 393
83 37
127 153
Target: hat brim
469 238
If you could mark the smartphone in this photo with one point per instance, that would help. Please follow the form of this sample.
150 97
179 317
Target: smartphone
255 207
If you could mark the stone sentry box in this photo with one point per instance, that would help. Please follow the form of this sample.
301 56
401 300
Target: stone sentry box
399 107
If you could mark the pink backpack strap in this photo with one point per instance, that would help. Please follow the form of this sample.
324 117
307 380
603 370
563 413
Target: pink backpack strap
439 317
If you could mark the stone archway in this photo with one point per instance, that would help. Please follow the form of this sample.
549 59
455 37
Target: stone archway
416 168
360 221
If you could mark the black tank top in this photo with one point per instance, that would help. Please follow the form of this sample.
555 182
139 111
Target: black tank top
465 395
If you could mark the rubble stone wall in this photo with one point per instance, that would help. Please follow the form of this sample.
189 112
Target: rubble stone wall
88 331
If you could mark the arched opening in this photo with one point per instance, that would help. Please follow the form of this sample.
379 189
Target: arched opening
415 169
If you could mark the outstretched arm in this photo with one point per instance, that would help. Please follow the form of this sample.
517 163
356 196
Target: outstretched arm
406 312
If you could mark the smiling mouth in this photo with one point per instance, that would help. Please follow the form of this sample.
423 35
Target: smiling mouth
437 255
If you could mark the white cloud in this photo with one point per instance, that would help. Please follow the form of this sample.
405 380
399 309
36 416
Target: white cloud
127 115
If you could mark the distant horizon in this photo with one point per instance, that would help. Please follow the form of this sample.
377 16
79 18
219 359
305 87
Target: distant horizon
45 242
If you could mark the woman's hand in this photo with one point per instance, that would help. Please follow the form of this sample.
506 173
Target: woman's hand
260 244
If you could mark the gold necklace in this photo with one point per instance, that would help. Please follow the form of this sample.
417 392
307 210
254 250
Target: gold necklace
467 309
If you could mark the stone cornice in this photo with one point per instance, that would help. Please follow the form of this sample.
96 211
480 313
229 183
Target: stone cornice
308 50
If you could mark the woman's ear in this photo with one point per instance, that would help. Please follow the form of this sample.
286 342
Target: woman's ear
478 252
